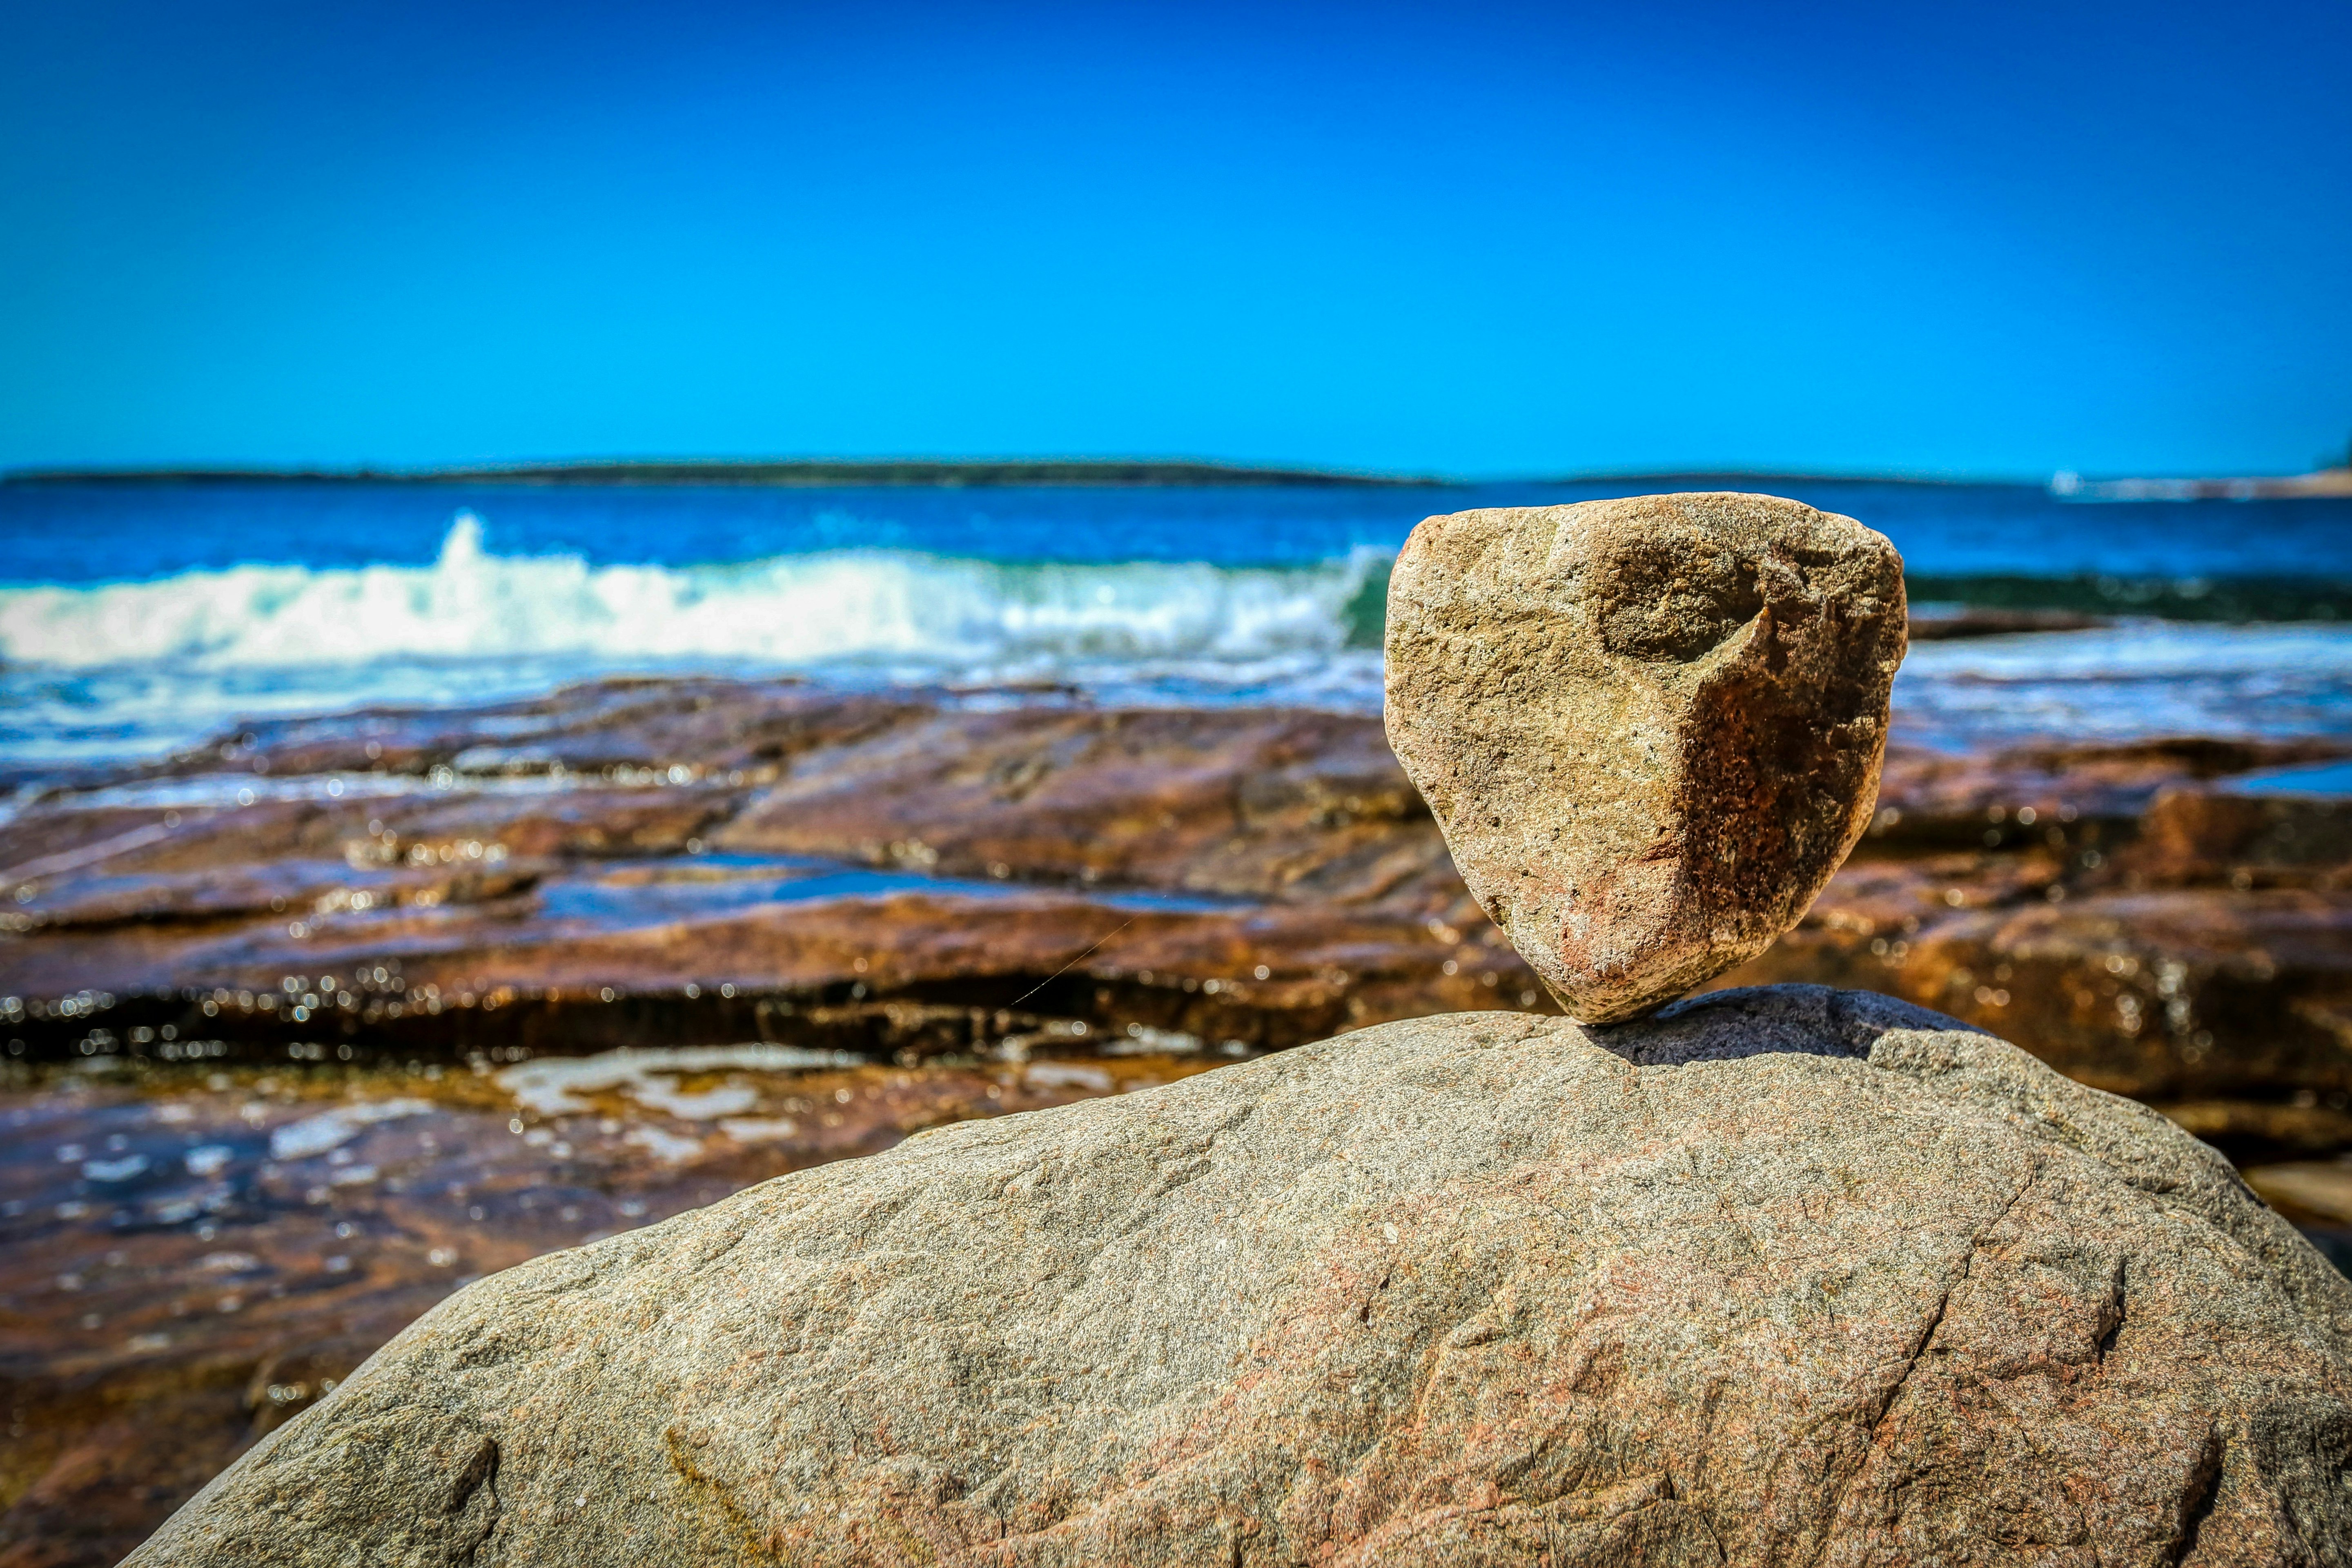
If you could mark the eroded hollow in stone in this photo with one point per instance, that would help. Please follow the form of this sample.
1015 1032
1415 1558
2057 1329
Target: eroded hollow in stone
1674 597
1651 728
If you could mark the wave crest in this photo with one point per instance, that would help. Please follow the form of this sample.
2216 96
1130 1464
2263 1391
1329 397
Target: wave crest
882 607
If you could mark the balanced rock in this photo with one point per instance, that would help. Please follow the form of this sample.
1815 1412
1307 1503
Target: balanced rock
1789 1276
1650 729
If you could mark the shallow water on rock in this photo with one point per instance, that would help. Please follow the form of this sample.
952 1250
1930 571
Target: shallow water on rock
190 1255
2332 779
635 892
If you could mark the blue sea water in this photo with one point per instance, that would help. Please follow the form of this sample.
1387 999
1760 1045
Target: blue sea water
139 617
111 533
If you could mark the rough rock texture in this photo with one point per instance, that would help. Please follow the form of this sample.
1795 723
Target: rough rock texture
2171 953
1789 1276
1650 729
1283 839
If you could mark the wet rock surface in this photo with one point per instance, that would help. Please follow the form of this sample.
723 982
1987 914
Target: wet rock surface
937 910
1778 1275
729 877
191 1255
2093 920
1650 729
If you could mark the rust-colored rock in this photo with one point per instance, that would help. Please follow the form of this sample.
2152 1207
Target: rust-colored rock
2169 994
1651 728
998 846
2249 840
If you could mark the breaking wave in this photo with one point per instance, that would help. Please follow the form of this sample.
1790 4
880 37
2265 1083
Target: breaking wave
896 609
100 673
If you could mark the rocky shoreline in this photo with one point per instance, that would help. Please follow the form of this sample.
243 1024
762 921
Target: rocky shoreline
897 910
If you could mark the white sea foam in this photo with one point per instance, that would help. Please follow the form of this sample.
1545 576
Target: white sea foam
551 1086
107 672
2141 651
886 608
315 1135
2130 679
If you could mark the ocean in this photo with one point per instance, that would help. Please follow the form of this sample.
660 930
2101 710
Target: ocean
138 618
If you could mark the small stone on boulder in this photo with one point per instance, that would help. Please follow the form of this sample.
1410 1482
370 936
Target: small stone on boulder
1651 728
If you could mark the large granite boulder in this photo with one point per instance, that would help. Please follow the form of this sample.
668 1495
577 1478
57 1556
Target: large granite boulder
1788 1276
1650 728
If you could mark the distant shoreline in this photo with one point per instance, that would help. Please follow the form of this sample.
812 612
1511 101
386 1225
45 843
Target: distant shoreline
748 471
945 474
2319 484
1142 473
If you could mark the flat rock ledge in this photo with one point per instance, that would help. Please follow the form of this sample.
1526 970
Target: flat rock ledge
1782 1275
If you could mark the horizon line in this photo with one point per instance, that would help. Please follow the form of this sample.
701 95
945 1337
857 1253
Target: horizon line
944 471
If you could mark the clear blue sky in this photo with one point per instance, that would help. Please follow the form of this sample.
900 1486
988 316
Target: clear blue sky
1967 239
